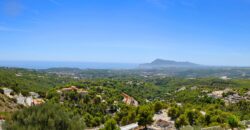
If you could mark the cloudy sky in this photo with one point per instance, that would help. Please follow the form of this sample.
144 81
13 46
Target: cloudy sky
211 32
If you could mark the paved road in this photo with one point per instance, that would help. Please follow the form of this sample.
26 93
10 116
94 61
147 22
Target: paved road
1 123
130 126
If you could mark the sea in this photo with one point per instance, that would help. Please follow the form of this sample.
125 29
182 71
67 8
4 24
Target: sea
63 64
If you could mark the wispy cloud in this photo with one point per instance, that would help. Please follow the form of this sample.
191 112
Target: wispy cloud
13 7
166 3
8 29
188 3
163 4
54 2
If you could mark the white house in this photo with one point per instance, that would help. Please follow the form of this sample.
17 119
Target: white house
29 101
7 91
20 99
34 94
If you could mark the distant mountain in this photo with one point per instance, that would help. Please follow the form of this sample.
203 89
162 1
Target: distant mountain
160 63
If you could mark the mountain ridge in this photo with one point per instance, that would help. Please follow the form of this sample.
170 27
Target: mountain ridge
161 63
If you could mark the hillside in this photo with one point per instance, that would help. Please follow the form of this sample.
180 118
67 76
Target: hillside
88 103
7 104
26 80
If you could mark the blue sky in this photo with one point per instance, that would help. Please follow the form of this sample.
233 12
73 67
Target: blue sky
211 32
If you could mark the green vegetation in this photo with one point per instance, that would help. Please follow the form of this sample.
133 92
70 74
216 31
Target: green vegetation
233 122
45 117
110 125
145 116
22 80
99 103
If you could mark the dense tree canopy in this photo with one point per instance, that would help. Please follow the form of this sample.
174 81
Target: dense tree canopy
45 117
145 116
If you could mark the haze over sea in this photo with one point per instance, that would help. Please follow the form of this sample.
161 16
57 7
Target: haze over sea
70 64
